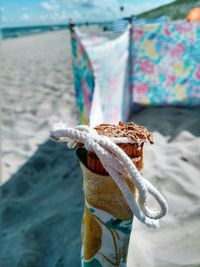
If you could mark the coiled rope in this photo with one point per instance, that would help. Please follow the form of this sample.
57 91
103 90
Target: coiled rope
116 162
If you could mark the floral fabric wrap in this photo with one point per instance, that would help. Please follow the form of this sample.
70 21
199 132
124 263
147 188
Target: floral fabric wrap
107 220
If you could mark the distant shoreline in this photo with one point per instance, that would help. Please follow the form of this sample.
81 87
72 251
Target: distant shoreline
15 32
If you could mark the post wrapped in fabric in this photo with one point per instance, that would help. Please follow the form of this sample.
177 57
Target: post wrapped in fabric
107 219
111 158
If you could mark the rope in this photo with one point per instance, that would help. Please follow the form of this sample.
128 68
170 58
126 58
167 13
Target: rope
116 162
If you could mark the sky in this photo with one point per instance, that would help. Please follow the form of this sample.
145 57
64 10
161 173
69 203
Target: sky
34 12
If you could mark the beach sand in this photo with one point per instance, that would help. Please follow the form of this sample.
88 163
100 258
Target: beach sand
41 201
37 90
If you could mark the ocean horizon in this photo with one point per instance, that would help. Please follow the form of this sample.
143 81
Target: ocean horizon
19 31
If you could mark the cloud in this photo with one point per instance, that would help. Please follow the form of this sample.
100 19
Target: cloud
25 17
96 4
59 11
94 10
81 10
87 3
4 19
24 9
141 6
50 5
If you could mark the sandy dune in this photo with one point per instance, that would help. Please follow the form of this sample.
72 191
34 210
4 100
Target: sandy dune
41 205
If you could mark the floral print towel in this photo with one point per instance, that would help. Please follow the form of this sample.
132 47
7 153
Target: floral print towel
166 64
148 64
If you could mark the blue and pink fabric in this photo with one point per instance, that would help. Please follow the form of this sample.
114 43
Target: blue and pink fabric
149 64
105 80
83 78
166 64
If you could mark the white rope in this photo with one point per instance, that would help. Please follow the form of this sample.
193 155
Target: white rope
116 162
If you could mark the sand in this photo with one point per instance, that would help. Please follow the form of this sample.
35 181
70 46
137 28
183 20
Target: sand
41 201
37 90
172 164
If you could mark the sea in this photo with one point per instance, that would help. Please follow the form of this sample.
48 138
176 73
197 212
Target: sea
14 32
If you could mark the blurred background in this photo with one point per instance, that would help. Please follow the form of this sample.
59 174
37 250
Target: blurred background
36 72
41 201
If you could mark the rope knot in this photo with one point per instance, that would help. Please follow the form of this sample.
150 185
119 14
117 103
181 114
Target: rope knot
89 143
117 164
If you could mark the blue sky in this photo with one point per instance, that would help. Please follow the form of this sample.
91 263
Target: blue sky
31 12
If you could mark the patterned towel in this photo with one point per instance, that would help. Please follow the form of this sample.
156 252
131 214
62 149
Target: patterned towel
166 64
156 63
102 88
